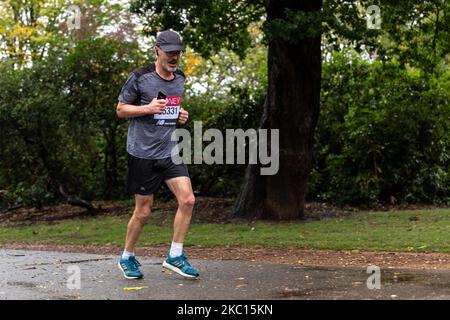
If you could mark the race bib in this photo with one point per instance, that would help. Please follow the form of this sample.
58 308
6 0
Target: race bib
171 111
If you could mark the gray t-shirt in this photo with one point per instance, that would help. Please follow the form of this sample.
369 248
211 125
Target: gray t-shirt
149 137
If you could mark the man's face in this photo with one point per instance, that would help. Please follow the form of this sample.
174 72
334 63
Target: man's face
169 60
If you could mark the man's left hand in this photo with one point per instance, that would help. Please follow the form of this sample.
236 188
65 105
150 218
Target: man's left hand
183 117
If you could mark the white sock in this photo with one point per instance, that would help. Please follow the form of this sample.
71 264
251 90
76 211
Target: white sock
126 254
176 249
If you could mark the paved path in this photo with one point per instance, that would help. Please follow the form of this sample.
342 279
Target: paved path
45 275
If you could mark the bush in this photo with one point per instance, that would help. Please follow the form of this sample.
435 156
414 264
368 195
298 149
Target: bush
383 135
59 127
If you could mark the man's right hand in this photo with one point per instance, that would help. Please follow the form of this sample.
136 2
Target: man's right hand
156 106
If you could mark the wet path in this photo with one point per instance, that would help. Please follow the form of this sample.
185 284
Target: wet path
52 275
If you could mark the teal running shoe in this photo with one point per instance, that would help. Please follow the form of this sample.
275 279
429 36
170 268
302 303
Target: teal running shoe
181 266
130 268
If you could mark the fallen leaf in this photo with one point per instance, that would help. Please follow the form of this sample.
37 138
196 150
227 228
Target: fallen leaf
134 288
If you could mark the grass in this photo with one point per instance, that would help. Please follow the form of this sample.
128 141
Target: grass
415 231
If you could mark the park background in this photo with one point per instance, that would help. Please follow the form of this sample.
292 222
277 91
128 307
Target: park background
377 100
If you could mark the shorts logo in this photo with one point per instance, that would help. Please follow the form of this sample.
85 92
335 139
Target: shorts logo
142 189
160 122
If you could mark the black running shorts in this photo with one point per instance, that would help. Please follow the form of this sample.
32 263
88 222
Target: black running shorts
145 176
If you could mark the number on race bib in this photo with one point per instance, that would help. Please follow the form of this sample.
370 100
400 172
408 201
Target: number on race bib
171 111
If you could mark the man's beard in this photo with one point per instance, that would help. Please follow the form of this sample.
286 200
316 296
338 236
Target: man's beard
172 69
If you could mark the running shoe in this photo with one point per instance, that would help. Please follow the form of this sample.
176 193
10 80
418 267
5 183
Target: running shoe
130 268
181 266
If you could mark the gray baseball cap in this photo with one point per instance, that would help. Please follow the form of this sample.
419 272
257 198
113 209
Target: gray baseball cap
169 41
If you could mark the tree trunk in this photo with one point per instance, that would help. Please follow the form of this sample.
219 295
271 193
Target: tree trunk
292 106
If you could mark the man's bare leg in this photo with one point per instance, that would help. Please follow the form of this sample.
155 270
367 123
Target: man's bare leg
182 189
127 262
140 216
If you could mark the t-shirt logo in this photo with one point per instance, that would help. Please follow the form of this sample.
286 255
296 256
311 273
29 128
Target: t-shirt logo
171 112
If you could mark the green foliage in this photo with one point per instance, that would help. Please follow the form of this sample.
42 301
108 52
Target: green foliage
28 29
58 123
383 135
96 70
35 195
415 32
295 26
207 26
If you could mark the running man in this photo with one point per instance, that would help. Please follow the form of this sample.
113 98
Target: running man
149 146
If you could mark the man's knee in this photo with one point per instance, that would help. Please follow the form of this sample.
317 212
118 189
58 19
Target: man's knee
187 201
142 215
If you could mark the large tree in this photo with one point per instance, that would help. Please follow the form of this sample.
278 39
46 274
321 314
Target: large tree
293 30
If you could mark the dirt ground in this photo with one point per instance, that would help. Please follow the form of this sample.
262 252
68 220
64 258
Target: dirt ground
219 210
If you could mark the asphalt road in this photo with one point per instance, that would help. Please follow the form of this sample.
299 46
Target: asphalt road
47 275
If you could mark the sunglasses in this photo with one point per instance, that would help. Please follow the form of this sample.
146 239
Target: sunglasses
174 53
